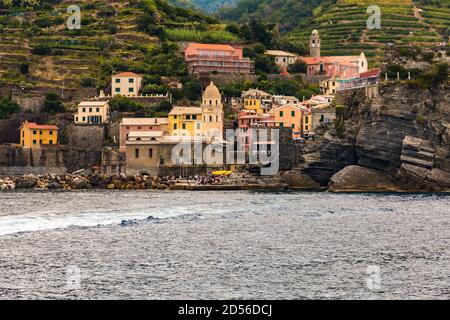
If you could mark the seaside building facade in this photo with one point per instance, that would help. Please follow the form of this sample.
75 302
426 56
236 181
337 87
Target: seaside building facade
137 125
93 112
33 135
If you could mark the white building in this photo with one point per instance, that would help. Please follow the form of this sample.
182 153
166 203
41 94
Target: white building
282 58
126 84
93 112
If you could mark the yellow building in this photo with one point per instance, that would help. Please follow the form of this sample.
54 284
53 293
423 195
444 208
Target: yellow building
33 135
329 87
254 104
185 121
307 123
206 121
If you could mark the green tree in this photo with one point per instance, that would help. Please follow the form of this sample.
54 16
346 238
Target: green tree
124 104
7 107
53 104
298 67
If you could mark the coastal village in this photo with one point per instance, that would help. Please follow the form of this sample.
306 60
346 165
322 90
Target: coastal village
143 146
137 152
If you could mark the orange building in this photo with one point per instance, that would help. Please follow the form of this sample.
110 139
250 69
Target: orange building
220 58
291 116
33 135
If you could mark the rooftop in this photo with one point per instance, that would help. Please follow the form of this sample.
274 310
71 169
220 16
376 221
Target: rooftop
280 53
33 125
126 75
92 103
185 110
207 46
144 121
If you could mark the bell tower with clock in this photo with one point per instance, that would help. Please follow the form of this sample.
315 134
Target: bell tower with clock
314 44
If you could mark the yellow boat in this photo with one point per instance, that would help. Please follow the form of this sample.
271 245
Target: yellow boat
222 173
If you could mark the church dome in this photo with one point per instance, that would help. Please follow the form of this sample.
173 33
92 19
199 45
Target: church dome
212 92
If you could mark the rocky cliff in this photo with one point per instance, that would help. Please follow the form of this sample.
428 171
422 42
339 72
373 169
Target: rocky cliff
399 140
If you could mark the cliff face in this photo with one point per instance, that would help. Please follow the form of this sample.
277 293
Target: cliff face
403 134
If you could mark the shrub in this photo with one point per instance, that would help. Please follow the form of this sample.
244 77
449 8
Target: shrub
53 104
124 104
41 50
7 107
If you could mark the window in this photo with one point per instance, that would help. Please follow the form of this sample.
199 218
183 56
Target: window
322 118
40 141
175 126
76 119
117 90
198 126
50 141
84 109
281 114
130 89
90 109
188 117
117 81
293 126
150 153
194 117
306 120
161 161
84 119
306 128
97 110
292 113
281 124
136 153
34 132
131 80
139 128
210 118
34 142
40 132
50 132
184 126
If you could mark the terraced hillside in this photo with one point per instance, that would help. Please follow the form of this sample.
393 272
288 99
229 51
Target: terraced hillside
343 27
36 48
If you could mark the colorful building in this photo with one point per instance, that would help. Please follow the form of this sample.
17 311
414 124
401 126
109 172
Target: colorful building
126 84
290 116
93 112
138 125
185 121
343 67
329 87
33 135
208 58
206 121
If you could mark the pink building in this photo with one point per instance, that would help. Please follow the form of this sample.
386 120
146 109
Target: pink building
141 125
220 58
248 119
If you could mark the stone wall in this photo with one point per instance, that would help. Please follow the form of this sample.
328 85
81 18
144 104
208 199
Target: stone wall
55 156
20 171
85 136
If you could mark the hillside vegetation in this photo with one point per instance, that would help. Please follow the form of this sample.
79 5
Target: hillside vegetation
37 49
343 23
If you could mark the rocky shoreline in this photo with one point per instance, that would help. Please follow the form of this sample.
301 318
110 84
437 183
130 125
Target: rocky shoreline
351 179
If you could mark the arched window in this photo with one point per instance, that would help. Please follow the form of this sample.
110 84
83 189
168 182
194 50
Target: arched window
138 139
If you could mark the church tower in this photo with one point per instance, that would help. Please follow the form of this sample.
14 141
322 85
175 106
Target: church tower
314 44
213 114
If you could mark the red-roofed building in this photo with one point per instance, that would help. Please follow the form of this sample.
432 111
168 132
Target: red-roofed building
33 135
207 58
341 67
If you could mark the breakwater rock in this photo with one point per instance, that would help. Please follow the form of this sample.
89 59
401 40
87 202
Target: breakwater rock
81 182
